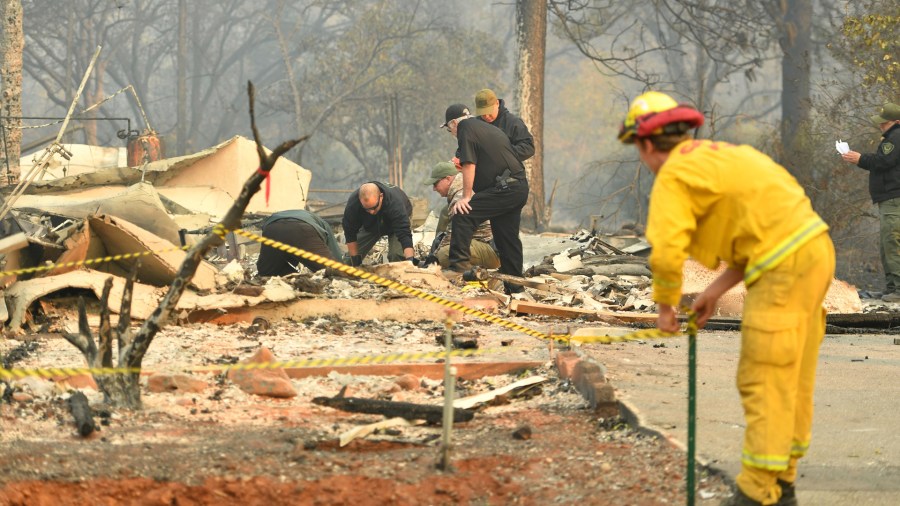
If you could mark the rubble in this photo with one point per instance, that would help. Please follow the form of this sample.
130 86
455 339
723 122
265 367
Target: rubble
267 382
164 205
620 281
73 214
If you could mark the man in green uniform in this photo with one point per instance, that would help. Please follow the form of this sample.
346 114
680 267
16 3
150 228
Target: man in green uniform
448 183
884 187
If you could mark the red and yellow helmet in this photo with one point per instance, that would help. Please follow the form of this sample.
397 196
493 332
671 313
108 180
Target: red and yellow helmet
655 113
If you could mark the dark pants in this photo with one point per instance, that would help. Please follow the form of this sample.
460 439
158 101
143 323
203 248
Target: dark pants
503 208
366 240
889 247
274 262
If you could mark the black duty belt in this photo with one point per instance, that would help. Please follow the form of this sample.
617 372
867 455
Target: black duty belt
505 179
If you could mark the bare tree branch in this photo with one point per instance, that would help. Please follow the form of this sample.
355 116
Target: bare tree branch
104 334
232 220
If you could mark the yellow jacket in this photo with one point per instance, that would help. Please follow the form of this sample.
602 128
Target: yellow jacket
718 201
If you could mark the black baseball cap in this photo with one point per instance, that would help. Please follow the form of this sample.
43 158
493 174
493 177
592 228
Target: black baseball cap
453 112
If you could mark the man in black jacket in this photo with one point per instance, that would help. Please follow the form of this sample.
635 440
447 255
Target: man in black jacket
373 211
492 110
494 188
884 187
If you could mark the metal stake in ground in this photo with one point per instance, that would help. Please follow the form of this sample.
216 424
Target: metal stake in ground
692 405
449 384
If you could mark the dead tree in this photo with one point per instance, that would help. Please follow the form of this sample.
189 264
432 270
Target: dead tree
119 389
531 35
123 390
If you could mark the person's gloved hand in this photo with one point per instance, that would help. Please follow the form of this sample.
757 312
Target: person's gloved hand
356 260
476 273
429 260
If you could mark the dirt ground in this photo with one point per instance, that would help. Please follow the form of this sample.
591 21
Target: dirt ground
224 446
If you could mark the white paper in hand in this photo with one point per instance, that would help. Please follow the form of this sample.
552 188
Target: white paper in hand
842 147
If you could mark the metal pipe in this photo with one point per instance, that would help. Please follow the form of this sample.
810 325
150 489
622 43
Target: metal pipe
449 384
84 81
692 408
40 142
77 118
5 152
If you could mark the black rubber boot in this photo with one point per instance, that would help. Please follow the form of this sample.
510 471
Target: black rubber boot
788 494
511 288
739 499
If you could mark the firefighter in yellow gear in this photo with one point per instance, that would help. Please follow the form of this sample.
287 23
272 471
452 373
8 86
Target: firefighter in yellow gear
721 202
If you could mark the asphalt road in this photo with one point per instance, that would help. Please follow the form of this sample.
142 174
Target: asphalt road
854 457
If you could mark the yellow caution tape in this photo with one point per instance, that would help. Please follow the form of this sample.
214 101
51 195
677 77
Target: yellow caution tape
57 372
387 283
639 335
90 261
219 230
415 292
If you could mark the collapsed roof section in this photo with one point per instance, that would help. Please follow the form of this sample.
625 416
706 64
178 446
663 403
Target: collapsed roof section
139 204
203 182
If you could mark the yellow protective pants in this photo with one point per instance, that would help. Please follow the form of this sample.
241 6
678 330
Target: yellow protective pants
782 329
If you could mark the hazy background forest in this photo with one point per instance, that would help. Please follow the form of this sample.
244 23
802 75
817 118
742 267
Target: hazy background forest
789 77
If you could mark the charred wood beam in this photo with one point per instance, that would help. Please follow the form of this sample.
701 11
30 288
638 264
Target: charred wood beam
864 320
837 323
391 409
609 246
613 259
81 411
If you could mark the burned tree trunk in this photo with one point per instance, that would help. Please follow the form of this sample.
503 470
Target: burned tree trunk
796 105
12 41
123 389
181 80
531 35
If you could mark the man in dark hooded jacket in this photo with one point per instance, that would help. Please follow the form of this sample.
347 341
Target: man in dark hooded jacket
492 110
